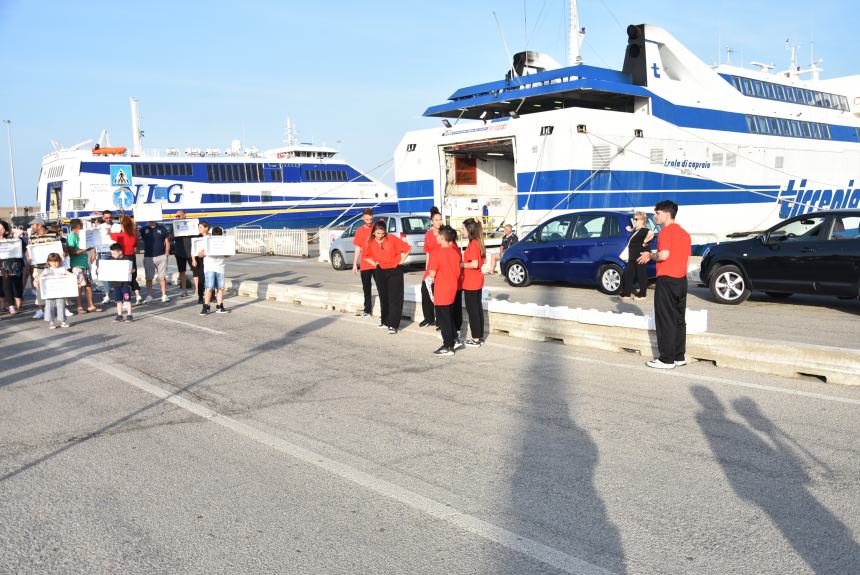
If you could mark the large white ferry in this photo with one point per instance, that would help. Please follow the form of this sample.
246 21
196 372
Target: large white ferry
737 149
296 185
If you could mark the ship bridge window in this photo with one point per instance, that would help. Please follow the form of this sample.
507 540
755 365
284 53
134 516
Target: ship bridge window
277 175
145 169
160 169
789 128
773 91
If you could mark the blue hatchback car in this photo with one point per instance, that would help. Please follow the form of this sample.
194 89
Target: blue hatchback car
576 248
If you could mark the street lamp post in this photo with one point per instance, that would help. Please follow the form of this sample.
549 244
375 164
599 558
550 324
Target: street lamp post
12 168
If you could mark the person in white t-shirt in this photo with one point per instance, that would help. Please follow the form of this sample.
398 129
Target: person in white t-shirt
213 267
106 227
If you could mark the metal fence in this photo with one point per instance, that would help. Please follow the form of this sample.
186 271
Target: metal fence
270 242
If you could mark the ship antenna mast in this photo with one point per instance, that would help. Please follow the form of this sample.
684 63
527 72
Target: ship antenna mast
136 134
575 35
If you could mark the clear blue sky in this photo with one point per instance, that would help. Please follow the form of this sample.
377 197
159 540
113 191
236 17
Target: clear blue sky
358 73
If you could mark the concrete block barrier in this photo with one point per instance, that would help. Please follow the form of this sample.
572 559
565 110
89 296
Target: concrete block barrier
594 329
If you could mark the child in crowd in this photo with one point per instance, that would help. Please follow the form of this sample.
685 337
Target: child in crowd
55 308
444 277
121 290
214 277
473 279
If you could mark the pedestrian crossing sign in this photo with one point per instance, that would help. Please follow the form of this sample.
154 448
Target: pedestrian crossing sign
120 175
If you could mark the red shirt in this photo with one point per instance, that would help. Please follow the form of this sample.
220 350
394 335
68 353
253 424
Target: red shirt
431 244
675 239
362 234
473 279
388 254
128 243
446 263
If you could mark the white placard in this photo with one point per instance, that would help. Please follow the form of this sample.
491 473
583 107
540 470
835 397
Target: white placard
39 252
220 245
114 270
198 245
53 285
91 238
148 212
185 227
11 249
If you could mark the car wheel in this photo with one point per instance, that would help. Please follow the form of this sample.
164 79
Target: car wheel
728 285
609 279
337 261
777 295
517 274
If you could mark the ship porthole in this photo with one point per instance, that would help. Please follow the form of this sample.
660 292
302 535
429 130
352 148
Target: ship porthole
377 195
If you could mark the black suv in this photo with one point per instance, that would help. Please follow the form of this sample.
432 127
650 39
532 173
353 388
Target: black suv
817 253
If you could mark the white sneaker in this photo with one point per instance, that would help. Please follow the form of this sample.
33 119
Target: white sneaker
39 314
148 299
137 300
164 298
106 299
657 364
680 363
458 344
69 313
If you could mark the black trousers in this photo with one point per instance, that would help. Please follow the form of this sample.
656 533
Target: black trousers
670 307
134 285
638 272
475 312
201 276
445 321
389 283
366 277
427 304
457 312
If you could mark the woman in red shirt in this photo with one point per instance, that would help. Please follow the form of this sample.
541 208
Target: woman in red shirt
127 238
473 279
386 254
431 244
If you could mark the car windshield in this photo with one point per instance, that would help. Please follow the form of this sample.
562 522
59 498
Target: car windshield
415 224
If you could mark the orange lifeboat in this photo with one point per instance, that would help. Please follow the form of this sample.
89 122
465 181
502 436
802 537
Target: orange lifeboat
99 151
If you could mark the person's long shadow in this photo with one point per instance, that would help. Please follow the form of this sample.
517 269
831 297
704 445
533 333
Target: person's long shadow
262 348
772 476
553 483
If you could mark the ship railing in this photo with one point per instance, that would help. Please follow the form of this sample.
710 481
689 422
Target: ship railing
270 242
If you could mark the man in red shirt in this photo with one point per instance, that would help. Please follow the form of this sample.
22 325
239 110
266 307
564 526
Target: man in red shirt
362 235
444 268
670 297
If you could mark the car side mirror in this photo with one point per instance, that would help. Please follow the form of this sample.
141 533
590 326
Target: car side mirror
774 237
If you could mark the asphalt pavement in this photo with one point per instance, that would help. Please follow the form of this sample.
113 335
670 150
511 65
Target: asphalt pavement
281 439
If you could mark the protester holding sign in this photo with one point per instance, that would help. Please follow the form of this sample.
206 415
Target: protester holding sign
197 263
55 308
39 235
182 252
127 239
214 278
12 270
106 228
80 261
121 290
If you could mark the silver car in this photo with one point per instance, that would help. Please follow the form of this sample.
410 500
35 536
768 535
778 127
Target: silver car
408 227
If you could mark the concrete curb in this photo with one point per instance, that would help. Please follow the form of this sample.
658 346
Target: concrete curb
787 359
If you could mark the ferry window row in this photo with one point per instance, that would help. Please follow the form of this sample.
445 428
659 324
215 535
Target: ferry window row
771 91
326 175
171 169
788 128
234 172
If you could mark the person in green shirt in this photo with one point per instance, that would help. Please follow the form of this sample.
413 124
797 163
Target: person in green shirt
80 262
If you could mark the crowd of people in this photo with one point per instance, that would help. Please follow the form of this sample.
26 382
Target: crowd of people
451 277
118 241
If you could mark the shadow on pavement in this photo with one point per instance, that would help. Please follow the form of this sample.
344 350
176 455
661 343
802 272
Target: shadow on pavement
275 345
772 476
553 483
